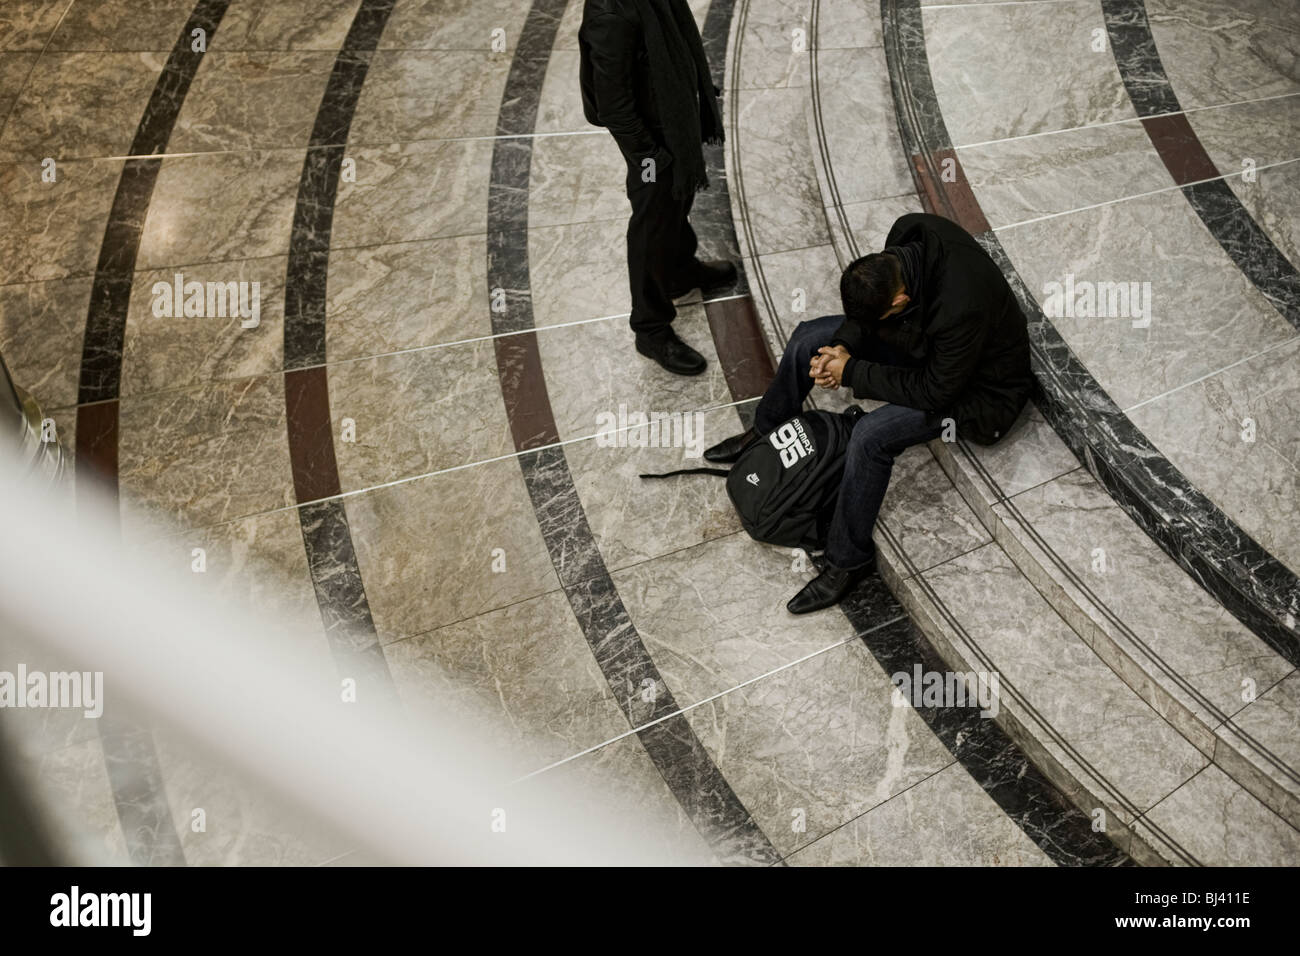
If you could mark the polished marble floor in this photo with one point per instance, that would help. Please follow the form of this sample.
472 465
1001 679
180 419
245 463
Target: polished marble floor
401 458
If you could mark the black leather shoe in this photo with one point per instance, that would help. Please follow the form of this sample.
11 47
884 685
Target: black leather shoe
728 450
829 587
707 277
672 353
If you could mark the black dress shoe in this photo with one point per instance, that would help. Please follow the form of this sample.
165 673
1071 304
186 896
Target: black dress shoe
829 587
728 450
672 353
707 277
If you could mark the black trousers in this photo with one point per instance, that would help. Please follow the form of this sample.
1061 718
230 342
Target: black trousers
661 249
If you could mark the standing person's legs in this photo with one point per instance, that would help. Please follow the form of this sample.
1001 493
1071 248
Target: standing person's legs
691 272
687 245
878 438
654 237
784 396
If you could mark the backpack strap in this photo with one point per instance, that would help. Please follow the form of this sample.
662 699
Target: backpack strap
690 471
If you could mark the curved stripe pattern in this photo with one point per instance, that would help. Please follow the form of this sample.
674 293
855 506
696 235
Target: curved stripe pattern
667 736
327 537
1208 193
1249 582
129 754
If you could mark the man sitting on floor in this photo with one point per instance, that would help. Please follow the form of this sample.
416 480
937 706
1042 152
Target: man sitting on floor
931 327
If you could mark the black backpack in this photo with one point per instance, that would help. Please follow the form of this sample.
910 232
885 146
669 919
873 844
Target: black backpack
785 485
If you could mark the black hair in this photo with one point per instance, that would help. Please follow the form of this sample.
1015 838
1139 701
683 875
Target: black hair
869 284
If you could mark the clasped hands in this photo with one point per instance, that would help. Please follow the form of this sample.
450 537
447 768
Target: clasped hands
827 366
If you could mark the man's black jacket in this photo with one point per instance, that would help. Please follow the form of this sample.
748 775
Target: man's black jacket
614 73
966 333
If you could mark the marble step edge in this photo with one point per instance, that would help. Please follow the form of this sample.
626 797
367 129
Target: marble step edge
1128 826
1151 847
1146 842
1070 780
1235 753
1238 755
1019 722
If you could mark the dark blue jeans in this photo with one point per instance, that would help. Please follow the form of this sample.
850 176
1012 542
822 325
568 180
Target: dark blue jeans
878 438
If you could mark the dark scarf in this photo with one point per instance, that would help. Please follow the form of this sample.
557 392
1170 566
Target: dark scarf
690 113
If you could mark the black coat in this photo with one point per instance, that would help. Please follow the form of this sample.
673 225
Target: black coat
966 334
614 72
614 75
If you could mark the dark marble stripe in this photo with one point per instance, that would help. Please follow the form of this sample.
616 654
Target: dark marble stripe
915 101
96 440
1250 247
1134 48
326 534
110 294
742 351
528 404
683 762
1253 585
1184 155
341 598
134 774
672 745
311 443
1031 801
313 216
957 199
1180 148
101 363
308 267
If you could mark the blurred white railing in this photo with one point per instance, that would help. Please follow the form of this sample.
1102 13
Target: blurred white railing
219 678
